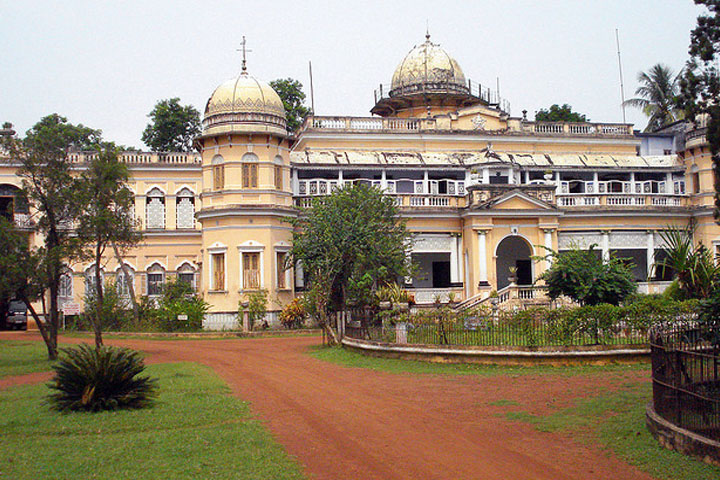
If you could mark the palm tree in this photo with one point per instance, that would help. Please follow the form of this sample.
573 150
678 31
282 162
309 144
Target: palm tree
657 95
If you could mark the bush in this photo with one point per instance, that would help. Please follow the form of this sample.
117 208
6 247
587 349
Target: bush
256 307
105 378
293 315
178 299
114 311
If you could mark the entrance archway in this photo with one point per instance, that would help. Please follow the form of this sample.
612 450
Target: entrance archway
513 251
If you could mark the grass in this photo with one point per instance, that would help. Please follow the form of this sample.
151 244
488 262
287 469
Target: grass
195 430
19 357
617 421
347 358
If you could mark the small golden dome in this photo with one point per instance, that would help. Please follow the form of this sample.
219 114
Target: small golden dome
428 66
242 104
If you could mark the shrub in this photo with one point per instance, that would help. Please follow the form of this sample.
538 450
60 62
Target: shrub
105 378
113 311
179 299
293 315
256 307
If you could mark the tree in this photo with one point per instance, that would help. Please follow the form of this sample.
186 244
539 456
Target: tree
21 275
292 96
557 113
173 127
694 266
106 220
657 96
700 83
352 233
53 191
583 276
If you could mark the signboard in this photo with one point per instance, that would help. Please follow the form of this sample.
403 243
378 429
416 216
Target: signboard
71 308
182 318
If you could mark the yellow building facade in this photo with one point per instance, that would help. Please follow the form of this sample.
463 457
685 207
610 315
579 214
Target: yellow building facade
484 193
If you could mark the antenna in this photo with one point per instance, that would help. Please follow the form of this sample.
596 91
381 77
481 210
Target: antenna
622 86
312 94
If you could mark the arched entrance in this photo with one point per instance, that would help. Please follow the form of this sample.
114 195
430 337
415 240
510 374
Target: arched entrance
12 202
513 251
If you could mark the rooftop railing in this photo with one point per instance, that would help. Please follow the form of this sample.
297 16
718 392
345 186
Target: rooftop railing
186 158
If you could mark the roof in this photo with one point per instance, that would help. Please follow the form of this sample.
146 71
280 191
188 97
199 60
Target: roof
464 159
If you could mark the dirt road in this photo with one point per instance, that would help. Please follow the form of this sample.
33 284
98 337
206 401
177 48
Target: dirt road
348 423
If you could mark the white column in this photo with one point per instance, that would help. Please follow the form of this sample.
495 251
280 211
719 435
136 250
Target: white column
299 280
511 176
548 247
650 252
408 261
383 180
605 245
454 277
669 187
458 242
557 183
486 176
596 187
295 182
482 257
426 182
340 178
527 177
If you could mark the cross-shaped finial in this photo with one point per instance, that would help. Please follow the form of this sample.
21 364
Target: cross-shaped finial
244 51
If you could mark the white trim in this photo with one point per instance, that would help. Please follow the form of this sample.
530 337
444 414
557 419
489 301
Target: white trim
158 263
153 187
183 187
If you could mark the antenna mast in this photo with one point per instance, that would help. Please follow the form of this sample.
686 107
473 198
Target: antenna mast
622 86
312 94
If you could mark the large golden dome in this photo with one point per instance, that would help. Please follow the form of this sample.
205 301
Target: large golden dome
244 104
428 67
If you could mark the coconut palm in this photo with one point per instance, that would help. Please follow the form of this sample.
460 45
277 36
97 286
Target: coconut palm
656 96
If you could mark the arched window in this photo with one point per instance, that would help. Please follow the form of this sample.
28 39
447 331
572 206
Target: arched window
218 172
90 279
65 289
278 171
249 171
155 209
185 208
155 279
122 282
186 273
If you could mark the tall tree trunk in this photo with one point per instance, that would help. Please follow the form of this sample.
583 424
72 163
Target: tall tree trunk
130 282
52 351
99 297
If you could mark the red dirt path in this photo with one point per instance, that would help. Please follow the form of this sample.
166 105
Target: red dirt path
351 423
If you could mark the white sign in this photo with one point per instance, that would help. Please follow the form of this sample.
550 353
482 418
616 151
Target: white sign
182 317
71 308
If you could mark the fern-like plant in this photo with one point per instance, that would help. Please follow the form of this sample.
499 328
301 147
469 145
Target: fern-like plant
105 378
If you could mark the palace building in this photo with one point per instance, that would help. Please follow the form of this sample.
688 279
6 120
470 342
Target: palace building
483 192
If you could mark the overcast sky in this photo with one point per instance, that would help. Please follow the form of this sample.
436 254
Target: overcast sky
105 64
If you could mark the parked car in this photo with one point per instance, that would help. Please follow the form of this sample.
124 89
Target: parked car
16 316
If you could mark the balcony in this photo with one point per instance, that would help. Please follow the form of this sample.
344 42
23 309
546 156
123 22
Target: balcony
162 158
612 201
405 201
515 126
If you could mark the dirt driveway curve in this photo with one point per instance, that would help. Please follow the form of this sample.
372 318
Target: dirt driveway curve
346 423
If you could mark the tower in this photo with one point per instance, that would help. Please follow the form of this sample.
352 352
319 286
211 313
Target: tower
246 195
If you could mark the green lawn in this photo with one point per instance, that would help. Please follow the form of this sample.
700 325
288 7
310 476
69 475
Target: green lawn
20 357
617 421
348 358
195 430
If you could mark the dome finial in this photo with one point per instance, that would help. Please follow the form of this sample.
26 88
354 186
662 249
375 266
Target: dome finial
427 30
244 50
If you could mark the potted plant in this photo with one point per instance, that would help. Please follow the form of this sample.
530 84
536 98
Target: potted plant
513 275
452 298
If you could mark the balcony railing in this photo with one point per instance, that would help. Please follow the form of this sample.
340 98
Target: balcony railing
404 201
172 158
620 187
581 201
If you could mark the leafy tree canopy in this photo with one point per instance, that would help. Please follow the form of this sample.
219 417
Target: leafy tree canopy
556 113
345 239
292 96
657 96
700 83
583 276
173 127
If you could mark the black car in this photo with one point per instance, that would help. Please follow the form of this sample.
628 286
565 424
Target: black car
16 316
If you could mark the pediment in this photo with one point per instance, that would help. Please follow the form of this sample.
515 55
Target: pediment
517 200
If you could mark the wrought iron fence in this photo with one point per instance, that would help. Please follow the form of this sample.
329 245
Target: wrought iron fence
686 377
505 334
